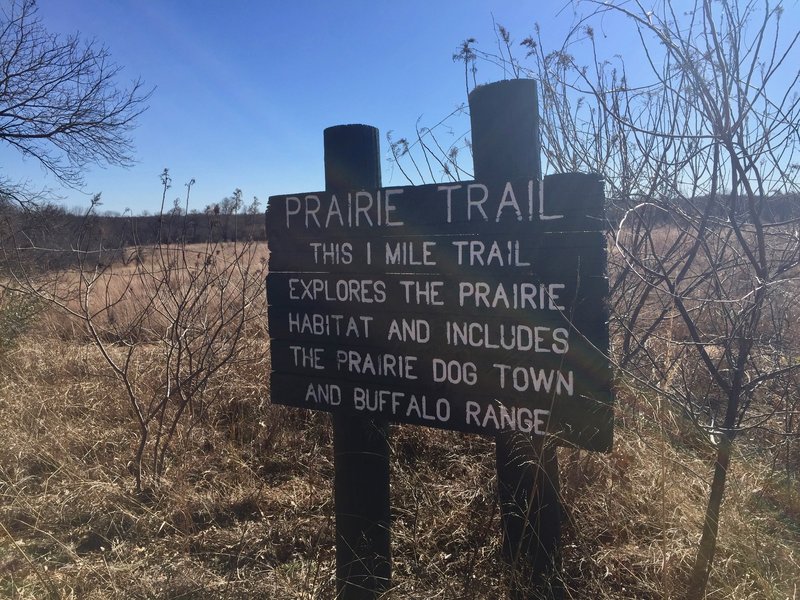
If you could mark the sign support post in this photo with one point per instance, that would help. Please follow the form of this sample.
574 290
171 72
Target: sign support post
505 144
360 444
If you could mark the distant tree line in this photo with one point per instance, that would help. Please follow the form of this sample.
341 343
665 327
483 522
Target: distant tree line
775 208
52 236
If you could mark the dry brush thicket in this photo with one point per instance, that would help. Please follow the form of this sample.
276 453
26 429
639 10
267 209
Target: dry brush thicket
142 459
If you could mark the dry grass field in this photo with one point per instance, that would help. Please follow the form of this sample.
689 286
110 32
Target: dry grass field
239 504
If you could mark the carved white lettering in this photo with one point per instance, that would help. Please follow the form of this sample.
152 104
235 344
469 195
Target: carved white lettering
385 365
365 291
455 372
332 254
308 358
549 381
409 330
500 417
423 292
517 296
410 253
361 209
495 254
327 393
329 325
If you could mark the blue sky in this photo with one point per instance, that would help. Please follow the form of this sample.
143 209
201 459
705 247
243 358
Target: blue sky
244 89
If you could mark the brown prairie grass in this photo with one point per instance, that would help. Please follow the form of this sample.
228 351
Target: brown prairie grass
244 508
139 297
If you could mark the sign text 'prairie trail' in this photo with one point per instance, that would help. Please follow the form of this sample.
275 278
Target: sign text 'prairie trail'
379 208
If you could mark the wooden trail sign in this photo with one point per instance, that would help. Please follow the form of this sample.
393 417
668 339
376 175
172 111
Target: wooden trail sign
473 306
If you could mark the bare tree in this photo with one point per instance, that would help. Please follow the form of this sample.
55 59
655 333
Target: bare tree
59 98
254 208
700 156
696 157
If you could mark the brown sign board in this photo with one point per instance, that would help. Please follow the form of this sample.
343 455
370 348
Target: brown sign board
470 306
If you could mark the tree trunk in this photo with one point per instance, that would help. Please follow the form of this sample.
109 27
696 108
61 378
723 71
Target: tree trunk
708 541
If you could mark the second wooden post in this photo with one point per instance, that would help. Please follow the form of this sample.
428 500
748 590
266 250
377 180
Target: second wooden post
505 144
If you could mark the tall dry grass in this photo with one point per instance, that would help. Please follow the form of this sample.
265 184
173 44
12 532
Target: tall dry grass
245 508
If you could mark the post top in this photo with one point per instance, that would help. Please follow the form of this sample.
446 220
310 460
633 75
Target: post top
505 86
354 127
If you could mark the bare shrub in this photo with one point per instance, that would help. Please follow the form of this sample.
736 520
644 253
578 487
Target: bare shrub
167 327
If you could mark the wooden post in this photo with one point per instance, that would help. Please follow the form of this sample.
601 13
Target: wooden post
505 144
360 444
